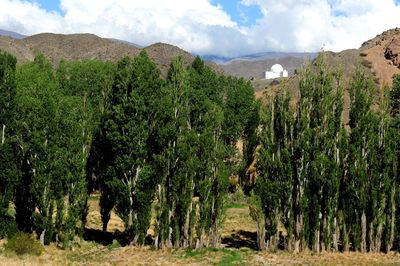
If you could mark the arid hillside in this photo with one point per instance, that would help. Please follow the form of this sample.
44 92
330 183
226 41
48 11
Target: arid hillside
382 55
255 68
89 46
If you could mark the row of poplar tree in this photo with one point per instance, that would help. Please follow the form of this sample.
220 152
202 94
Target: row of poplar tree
326 185
160 150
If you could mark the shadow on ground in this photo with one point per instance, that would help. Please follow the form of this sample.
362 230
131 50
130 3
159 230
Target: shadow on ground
241 239
98 236
238 239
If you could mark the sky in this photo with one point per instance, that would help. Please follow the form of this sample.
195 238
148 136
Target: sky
218 27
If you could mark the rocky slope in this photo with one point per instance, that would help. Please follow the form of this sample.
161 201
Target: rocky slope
382 55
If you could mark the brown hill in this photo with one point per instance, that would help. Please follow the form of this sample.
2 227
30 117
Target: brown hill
162 54
89 46
382 55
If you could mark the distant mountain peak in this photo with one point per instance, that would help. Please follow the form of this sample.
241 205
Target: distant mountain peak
11 34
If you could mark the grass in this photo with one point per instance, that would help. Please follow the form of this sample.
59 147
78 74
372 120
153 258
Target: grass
216 256
231 257
23 243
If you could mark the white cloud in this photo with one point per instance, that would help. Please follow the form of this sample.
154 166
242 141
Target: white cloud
28 18
202 27
188 24
309 25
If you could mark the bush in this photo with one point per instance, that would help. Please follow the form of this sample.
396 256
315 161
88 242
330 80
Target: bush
23 243
8 227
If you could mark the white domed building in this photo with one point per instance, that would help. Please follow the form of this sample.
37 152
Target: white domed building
277 71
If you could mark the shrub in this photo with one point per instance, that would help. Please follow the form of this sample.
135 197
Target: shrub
8 227
23 243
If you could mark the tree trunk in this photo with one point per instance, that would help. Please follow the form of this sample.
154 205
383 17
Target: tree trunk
3 134
378 238
156 241
316 246
363 232
371 237
336 235
324 232
130 219
392 220
299 228
42 237
261 233
169 243
186 237
346 240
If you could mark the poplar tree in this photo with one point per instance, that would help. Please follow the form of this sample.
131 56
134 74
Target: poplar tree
8 170
210 170
362 158
274 185
175 160
300 164
48 135
128 127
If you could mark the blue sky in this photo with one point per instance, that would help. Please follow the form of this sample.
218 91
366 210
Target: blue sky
220 27
240 13
50 5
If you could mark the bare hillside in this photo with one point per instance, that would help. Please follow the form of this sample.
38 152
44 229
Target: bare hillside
256 68
89 46
383 55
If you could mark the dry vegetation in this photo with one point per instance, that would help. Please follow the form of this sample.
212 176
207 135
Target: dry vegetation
238 248
89 46
115 224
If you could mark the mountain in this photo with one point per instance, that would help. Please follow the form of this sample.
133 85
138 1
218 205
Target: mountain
11 34
216 58
256 57
89 46
253 66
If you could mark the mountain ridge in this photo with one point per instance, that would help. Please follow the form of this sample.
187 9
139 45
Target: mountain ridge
90 46
81 46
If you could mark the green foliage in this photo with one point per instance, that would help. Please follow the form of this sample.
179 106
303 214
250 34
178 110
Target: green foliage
237 108
8 227
128 124
8 169
114 245
320 182
395 96
23 243
149 145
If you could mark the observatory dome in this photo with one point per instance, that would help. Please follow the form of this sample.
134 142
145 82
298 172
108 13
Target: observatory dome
277 68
